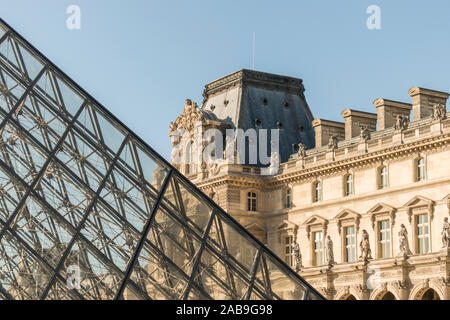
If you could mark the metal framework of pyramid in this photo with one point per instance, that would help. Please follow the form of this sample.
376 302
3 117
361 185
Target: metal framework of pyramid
80 191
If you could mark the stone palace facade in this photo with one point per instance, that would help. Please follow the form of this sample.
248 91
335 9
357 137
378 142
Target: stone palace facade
359 208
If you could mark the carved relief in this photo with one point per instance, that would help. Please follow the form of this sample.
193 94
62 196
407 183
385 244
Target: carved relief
187 119
364 134
438 112
401 122
333 142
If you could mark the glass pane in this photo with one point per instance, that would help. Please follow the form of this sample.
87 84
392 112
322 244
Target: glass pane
58 94
156 276
23 63
240 250
218 280
24 276
99 280
44 231
276 282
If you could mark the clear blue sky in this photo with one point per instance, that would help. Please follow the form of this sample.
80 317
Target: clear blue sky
142 58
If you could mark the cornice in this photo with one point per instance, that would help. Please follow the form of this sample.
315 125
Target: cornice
361 160
329 168
246 77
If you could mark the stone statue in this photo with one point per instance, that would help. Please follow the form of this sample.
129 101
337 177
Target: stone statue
401 122
364 134
446 234
364 245
297 255
438 112
403 241
330 255
301 150
333 142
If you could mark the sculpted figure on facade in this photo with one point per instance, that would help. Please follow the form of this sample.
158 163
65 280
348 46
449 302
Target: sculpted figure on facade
401 122
403 241
364 245
333 142
364 134
330 255
297 255
301 150
446 234
438 112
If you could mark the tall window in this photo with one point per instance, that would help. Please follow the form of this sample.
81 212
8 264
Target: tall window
423 233
420 164
350 244
317 191
251 201
288 198
318 248
383 177
384 238
348 185
288 250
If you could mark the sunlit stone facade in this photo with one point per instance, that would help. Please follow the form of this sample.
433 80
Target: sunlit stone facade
385 173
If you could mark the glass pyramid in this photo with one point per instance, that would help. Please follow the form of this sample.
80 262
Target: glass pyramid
89 211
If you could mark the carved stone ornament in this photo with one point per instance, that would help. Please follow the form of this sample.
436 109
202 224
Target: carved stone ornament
366 252
445 233
364 134
333 142
297 255
191 114
301 150
403 241
214 167
401 122
329 251
438 112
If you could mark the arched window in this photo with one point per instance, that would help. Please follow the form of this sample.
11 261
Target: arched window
288 198
251 201
348 187
317 191
420 169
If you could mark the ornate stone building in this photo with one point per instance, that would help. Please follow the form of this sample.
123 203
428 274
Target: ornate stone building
366 199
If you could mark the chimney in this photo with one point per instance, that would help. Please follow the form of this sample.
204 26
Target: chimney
354 120
388 110
423 101
324 129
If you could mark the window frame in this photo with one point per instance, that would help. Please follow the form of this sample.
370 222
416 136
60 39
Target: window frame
317 191
348 193
382 173
352 246
288 198
417 236
315 256
380 242
252 201
287 256
420 169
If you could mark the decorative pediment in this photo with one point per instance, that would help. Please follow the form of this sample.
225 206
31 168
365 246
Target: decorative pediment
419 204
287 227
345 216
191 114
254 227
382 209
315 220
